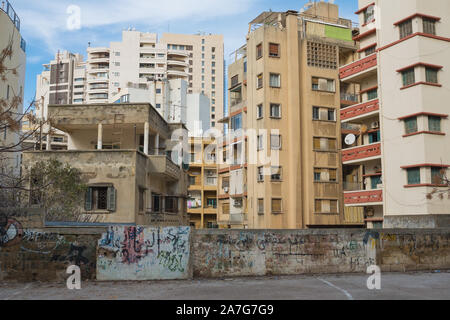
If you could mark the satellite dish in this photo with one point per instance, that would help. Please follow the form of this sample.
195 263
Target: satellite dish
350 139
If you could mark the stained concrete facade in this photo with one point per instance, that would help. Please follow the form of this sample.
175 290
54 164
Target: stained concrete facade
124 153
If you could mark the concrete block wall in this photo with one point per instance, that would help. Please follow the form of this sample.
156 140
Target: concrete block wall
224 253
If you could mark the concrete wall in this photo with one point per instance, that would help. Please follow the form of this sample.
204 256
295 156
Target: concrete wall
138 253
268 252
43 254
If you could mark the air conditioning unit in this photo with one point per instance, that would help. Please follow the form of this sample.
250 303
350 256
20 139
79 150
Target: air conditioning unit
375 125
226 189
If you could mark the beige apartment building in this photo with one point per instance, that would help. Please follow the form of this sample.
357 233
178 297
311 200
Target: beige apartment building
124 153
398 149
202 191
284 169
12 87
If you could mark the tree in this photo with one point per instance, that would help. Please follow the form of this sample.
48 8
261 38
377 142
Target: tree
57 188
443 182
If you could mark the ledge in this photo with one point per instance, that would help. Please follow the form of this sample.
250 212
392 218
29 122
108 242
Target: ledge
422 83
423 132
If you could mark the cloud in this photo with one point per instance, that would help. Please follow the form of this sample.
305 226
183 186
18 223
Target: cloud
46 21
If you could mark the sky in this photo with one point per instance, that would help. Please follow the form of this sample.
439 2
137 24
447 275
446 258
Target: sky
44 23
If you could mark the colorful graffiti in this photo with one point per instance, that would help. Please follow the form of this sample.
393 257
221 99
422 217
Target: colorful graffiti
143 253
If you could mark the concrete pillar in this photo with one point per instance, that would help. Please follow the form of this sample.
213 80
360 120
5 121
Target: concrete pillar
157 144
146 137
100 137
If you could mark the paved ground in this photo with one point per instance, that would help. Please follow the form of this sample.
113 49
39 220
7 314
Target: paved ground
327 287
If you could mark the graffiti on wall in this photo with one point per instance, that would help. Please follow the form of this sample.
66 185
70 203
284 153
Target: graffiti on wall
10 232
143 253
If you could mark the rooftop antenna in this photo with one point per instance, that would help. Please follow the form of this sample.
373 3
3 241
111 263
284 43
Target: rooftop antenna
89 44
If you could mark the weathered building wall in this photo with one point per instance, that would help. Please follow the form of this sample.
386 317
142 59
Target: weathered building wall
139 253
29 254
282 252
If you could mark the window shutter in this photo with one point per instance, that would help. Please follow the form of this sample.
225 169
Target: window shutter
333 175
273 50
112 193
333 206
317 143
88 200
323 84
318 205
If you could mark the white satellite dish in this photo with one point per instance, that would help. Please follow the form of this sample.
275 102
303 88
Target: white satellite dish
350 139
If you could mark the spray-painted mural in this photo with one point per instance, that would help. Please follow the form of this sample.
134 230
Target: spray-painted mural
144 253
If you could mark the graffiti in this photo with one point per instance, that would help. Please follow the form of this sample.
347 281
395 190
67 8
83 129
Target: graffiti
74 256
171 261
10 232
140 253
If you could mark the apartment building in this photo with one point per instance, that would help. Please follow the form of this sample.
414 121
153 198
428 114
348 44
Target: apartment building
123 151
202 191
203 55
284 92
398 149
12 86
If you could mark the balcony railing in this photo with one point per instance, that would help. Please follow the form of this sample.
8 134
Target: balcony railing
358 66
363 152
8 9
349 97
362 197
353 186
360 109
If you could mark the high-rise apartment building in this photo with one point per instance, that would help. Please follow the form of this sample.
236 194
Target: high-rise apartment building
204 71
140 61
12 86
285 169
398 146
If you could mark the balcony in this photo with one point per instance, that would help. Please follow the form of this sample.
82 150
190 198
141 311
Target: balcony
177 73
358 111
164 166
361 153
171 62
358 70
177 53
370 197
98 60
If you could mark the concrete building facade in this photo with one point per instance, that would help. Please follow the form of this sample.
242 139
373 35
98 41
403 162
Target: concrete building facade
284 92
399 117
123 151
12 86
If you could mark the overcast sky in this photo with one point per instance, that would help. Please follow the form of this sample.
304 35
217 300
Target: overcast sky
44 23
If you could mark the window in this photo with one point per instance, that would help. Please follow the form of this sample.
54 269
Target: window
259 111
260 174
324 114
158 90
259 51
100 198
171 204
274 50
431 75
158 105
275 80
225 182
213 64
326 206
321 84
375 181
275 110
434 124
325 175
413 176
429 26
276 174
369 14
236 122
369 51
405 29
226 208
275 142
276 206
234 81
117 54
325 144
260 206
259 81
374 136
211 202
437 176
411 125
408 77
156 203
260 143
372 94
